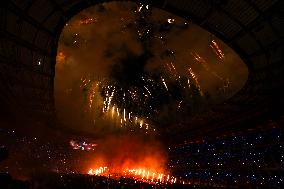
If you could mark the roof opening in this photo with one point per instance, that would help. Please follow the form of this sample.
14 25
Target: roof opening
123 66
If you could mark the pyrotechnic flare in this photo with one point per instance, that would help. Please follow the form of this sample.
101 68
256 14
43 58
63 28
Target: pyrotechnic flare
137 174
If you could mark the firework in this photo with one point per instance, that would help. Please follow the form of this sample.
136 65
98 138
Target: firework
195 80
165 84
202 61
217 50
115 101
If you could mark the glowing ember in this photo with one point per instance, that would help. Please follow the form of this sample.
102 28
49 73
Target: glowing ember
87 21
60 57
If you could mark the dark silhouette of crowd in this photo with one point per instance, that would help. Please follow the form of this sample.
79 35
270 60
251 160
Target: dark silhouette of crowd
6 181
73 181
78 181
254 158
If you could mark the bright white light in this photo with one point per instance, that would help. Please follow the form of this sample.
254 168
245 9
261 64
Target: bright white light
171 20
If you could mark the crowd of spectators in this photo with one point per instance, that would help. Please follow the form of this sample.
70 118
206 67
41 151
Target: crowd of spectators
252 158
77 181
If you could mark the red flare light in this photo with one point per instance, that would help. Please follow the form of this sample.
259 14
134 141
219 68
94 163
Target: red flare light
139 174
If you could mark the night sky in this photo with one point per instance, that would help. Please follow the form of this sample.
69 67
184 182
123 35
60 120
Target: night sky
142 55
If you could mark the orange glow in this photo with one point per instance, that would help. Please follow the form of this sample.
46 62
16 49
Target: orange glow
98 171
60 57
137 174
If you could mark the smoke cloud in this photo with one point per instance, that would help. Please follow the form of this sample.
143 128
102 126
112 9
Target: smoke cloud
128 151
